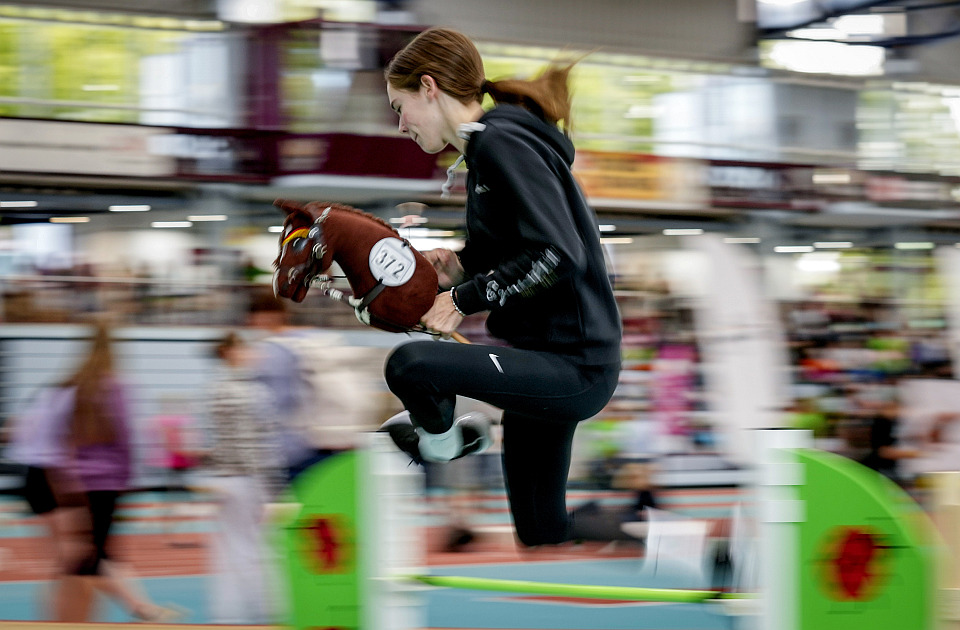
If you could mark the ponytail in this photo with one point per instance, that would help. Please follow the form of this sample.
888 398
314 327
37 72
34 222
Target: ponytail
547 96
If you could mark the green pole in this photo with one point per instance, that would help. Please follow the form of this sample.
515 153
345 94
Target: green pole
575 590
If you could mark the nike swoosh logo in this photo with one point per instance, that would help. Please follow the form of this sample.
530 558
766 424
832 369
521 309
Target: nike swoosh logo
493 357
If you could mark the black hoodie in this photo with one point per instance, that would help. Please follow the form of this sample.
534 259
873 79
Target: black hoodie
533 248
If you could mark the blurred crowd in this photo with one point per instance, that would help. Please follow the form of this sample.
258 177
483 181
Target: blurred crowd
72 452
872 389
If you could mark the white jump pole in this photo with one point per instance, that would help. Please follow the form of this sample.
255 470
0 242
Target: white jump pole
392 521
777 477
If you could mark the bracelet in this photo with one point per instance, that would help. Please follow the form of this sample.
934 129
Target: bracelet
453 298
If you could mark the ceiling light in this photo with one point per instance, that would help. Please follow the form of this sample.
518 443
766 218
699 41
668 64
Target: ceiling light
826 57
171 224
912 245
131 208
860 24
207 217
831 178
69 219
616 240
741 239
275 229
682 231
833 245
828 34
18 204
817 265
606 227
793 249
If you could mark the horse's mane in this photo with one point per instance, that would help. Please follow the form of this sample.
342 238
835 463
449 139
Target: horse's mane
351 209
343 208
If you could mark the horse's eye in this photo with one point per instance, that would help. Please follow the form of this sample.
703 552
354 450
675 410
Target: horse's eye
298 244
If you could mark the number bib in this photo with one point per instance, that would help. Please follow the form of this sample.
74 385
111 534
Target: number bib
392 262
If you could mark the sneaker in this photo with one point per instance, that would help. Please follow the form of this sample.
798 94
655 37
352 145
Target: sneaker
475 428
404 435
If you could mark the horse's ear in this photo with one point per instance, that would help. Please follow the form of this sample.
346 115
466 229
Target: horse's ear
288 206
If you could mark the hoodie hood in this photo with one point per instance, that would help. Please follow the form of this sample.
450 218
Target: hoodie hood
503 115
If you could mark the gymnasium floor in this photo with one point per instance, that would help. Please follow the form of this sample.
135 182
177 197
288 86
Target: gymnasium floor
165 544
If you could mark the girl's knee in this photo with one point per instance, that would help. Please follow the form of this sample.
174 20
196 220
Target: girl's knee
401 365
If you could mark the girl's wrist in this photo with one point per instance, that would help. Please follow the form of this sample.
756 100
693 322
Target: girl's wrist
453 299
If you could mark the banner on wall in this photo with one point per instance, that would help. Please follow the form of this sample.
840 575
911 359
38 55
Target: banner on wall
639 176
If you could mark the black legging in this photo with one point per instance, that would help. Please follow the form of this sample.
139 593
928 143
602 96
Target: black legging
543 397
101 505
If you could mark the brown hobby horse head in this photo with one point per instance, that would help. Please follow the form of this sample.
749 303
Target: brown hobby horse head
393 284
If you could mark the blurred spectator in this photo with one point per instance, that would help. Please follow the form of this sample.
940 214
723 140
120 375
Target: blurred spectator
638 478
143 301
277 367
804 414
876 433
179 452
592 521
941 445
97 470
250 272
37 442
247 468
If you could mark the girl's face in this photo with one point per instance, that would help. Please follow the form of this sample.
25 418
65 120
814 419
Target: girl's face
420 116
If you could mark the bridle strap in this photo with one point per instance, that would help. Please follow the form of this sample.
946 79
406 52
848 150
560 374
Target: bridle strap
371 294
301 233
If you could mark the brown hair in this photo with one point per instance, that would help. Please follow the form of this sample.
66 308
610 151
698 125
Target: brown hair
230 341
92 421
455 64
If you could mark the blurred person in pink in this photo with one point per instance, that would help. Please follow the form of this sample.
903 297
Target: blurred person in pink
247 468
97 469
178 454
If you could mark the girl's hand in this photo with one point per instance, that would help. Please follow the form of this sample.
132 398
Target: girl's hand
442 316
447 265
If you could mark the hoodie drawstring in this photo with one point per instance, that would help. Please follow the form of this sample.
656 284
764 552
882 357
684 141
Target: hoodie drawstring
463 132
451 178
